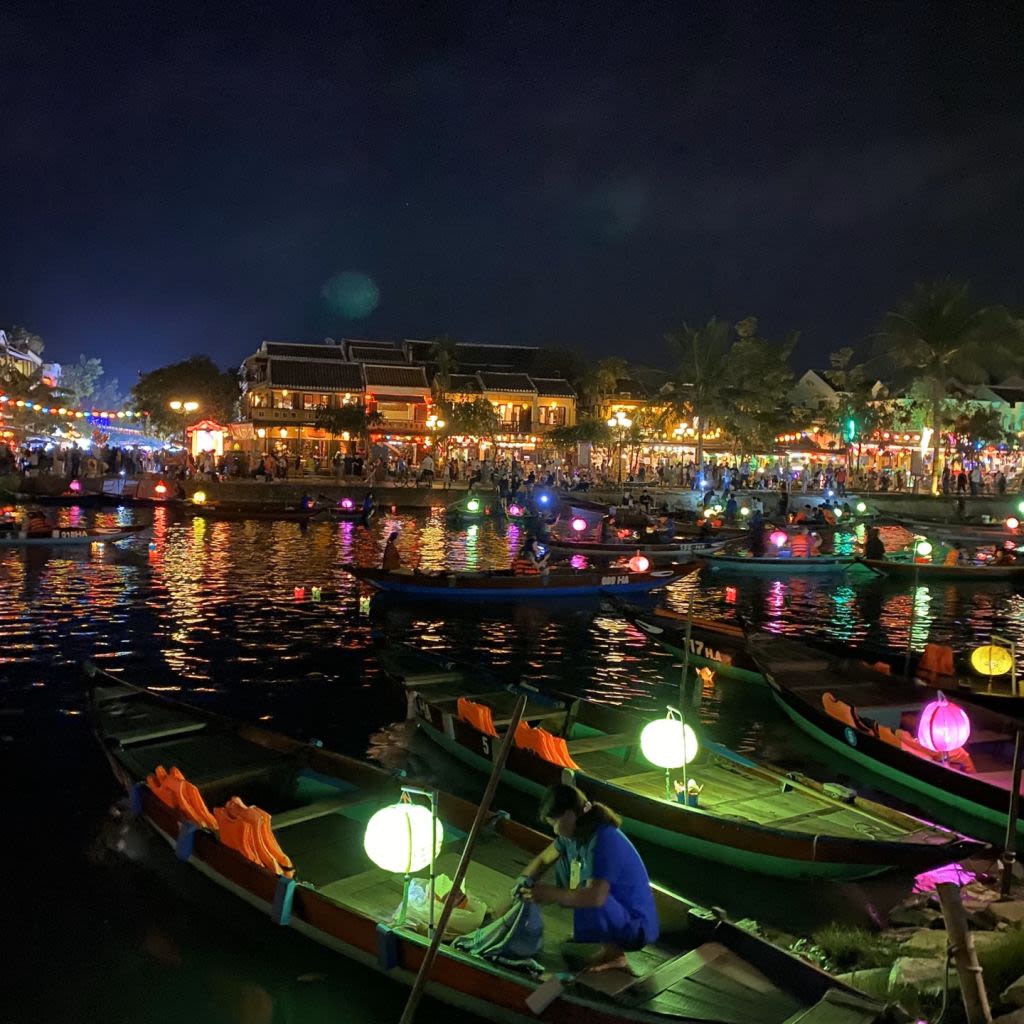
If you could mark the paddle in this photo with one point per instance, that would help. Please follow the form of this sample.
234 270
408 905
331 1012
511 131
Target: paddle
870 568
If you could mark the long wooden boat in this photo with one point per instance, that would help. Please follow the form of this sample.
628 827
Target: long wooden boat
871 718
701 969
504 585
908 570
678 551
823 564
750 816
723 647
238 513
970 532
67 535
83 499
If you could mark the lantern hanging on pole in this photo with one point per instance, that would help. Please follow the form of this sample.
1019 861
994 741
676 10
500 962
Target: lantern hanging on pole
397 838
778 538
943 726
473 505
991 660
579 524
639 563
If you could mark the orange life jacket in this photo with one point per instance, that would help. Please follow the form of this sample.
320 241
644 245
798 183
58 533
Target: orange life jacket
247 830
800 545
524 567
840 710
936 664
177 792
477 715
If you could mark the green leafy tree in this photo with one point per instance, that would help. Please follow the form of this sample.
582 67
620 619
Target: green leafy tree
937 337
602 381
79 381
474 418
24 340
589 430
198 380
352 419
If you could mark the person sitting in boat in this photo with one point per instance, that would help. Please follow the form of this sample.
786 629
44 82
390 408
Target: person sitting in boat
874 547
666 529
598 875
645 501
531 561
803 544
306 502
1005 555
368 506
392 557
955 554
732 507
756 540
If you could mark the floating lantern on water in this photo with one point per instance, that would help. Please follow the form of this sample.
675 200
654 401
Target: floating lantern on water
861 507
1012 522
579 524
730 595
317 592
668 743
199 497
473 505
638 563
398 838
300 593
364 606
161 488
778 538
515 510
991 660
75 486
943 726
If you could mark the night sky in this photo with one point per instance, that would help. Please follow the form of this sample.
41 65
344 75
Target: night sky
180 179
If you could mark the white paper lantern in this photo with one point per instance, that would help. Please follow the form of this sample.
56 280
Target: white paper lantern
667 743
398 838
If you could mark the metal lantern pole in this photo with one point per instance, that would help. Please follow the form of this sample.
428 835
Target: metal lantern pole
1010 844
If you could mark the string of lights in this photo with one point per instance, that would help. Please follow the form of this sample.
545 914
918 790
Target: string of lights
80 414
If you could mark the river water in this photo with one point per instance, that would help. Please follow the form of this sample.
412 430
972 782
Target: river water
109 927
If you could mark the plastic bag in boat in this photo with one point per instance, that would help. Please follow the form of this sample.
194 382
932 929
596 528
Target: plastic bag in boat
513 940
464 918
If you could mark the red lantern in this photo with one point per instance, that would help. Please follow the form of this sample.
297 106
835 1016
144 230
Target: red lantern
638 563
579 524
300 593
943 726
161 488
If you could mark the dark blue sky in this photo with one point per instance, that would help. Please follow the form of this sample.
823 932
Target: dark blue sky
181 178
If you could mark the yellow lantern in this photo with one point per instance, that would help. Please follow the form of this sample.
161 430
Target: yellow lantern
668 743
991 660
397 838
199 497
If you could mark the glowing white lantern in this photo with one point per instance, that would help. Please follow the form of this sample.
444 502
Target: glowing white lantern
668 743
397 838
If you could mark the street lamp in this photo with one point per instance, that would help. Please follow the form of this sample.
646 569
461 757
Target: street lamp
620 423
184 408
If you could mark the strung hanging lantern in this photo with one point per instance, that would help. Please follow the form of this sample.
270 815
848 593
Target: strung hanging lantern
639 563
991 660
579 524
667 743
473 505
778 538
943 726
397 838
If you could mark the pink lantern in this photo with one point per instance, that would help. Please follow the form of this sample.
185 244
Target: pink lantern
638 563
515 510
943 726
75 486
579 524
778 538
346 504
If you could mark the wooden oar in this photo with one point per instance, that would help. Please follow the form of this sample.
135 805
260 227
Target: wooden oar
460 873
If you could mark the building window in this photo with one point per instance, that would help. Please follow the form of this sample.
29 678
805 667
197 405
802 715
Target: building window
283 399
553 415
311 401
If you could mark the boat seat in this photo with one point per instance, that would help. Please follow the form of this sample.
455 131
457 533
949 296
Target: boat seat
586 744
148 735
316 810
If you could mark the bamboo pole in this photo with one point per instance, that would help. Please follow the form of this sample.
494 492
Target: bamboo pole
961 944
1010 845
420 984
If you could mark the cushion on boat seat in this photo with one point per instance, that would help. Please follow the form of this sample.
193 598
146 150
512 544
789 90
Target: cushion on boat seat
477 715
178 793
247 830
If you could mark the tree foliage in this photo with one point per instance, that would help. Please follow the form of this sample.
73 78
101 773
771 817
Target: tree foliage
79 381
937 338
589 429
475 418
602 380
24 340
197 379
352 419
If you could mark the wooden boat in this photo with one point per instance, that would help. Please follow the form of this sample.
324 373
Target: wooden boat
504 585
65 535
237 513
750 817
701 969
723 647
924 571
69 499
969 532
871 718
349 511
746 563
680 551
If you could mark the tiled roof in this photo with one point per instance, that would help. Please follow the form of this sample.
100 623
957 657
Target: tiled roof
625 388
478 357
313 375
301 350
395 376
463 384
506 382
375 354
1012 396
553 387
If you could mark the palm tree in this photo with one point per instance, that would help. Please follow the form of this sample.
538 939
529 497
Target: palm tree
937 337
700 383
602 380
444 355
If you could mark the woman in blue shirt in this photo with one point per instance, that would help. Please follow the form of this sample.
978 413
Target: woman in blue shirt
598 875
